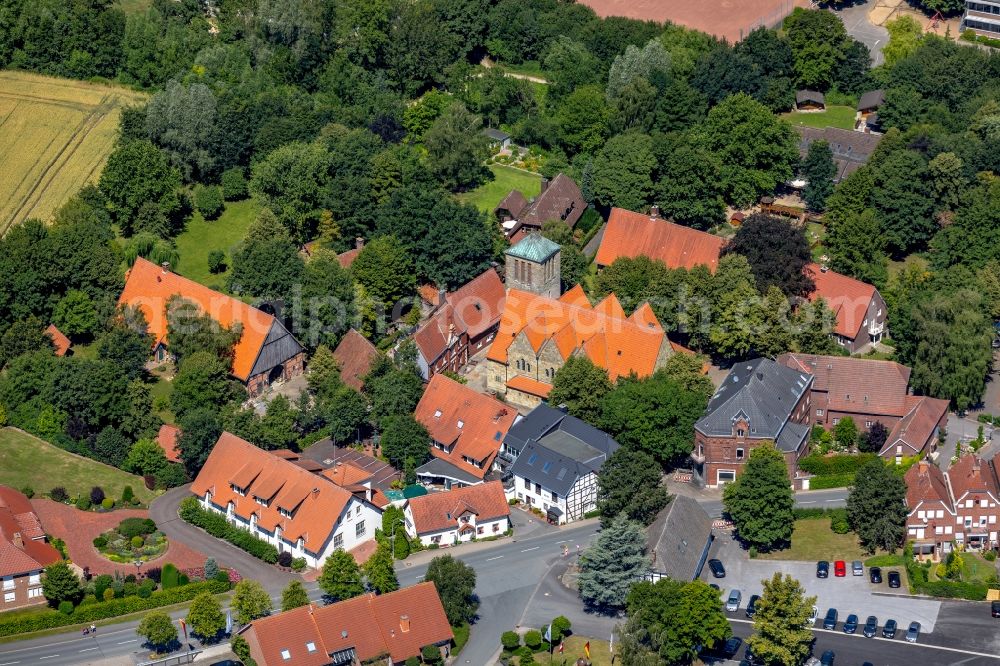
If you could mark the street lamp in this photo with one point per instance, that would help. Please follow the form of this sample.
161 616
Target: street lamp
138 563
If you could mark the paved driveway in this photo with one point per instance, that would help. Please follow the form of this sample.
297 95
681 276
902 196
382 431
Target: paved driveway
855 18
851 594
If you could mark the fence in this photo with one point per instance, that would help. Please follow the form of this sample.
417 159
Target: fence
186 658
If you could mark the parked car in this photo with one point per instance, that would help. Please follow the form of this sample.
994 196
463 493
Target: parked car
729 649
715 566
871 627
995 609
851 625
839 569
733 602
830 621
715 587
752 605
894 580
822 569
875 575
913 632
813 615
827 658
889 630
749 659
857 568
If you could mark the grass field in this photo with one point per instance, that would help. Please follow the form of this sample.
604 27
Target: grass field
600 652
201 237
55 135
505 178
834 116
28 461
813 540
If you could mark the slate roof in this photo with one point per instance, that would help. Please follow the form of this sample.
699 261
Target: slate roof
441 468
535 247
264 341
496 134
472 423
871 100
557 449
630 234
59 340
679 538
513 203
763 392
860 385
398 623
18 518
560 199
809 96
435 512
355 355
850 149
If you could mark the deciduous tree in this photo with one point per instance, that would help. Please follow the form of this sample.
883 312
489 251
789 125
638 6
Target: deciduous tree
379 574
876 507
250 601
205 617
385 269
59 583
782 634
673 619
158 629
846 432
456 583
293 596
137 173
341 577
457 148
581 386
819 171
777 253
760 500
404 438
623 171
630 483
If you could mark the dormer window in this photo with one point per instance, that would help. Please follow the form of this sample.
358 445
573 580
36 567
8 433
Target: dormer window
461 424
740 432
437 413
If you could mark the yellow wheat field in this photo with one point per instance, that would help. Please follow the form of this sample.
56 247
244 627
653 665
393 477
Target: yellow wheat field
55 135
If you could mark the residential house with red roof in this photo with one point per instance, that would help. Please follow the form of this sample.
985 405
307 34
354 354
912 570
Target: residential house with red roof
24 551
975 489
870 391
463 324
370 629
354 355
265 353
296 510
860 310
560 199
466 429
538 334
167 439
458 515
931 521
60 342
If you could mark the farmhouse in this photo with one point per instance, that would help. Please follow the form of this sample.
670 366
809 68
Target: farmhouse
24 551
552 461
458 515
679 539
850 149
371 629
466 429
282 503
265 353
560 199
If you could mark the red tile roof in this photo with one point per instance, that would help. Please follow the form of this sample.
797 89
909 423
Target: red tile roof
345 259
167 439
630 234
355 355
484 421
22 545
316 502
530 386
345 474
471 310
971 474
917 427
925 482
857 385
435 512
59 341
399 623
848 298
149 287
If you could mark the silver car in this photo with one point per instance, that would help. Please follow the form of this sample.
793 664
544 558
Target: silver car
857 568
733 602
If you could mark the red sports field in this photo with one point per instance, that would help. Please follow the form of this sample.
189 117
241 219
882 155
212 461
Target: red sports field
729 19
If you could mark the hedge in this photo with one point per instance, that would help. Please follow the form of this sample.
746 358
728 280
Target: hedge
885 561
217 525
801 513
948 589
827 481
830 465
50 619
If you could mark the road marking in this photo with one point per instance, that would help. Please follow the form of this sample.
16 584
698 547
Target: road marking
131 641
530 549
88 649
834 500
51 656
494 558
9 663
809 502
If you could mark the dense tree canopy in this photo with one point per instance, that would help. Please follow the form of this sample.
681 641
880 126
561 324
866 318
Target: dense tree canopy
760 500
876 507
672 619
777 252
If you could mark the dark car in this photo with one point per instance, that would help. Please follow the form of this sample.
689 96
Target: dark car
830 621
715 587
995 609
752 605
889 630
822 569
894 579
851 625
913 632
871 627
715 566
827 658
748 658
729 649
875 574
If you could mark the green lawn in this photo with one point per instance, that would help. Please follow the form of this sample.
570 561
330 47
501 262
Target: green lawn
600 652
815 233
161 391
505 178
26 460
834 116
813 540
201 237
135 6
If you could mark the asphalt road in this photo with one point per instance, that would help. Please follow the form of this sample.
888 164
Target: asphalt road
875 37
804 499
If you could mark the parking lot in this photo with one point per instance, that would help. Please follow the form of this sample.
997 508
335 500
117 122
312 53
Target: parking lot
850 594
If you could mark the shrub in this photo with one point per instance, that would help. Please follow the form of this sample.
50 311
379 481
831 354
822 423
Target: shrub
96 495
83 503
60 545
137 542
753 552
132 527
560 627
169 577
208 201
66 607
182 579
59 494
217 525
28 492
990 555
412 661
100 541
830 465
154 573
222 576
431 654
285 559
127 495
533 639
108 594
298 564
216 261
108 504
838 521
144 592
234 184
211 568
831 481
510 640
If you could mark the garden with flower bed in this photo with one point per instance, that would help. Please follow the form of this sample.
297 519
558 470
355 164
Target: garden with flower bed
134 539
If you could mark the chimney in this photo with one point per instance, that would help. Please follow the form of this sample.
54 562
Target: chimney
545 185
975 463
18 540
442 295
654 212
359 242
165 267
404 623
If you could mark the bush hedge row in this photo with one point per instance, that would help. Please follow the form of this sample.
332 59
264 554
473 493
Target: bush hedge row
50 619
948 589
217 525
830 465
827 481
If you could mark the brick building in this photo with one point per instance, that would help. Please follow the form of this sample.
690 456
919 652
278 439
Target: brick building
560 199
930 524
24 552
759 401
